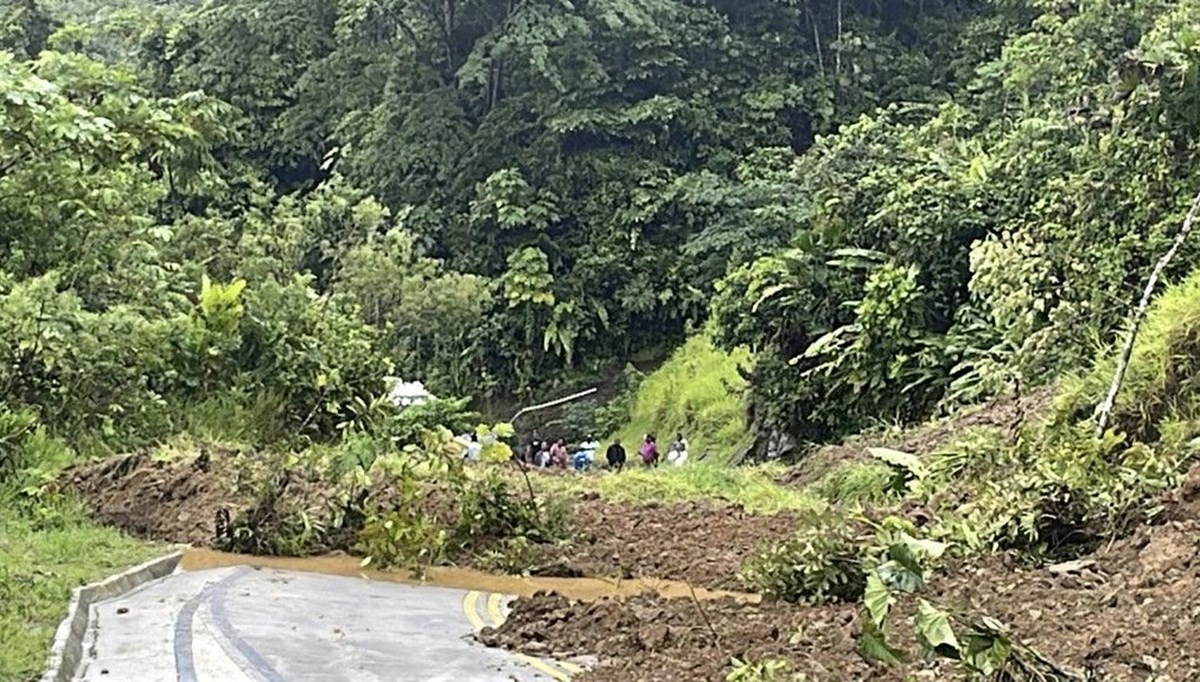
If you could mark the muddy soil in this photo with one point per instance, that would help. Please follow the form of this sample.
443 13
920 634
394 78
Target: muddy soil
647 638
1005 414
1128 612
703 543
174 501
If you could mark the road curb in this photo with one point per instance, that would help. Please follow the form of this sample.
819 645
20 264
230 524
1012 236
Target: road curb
67 650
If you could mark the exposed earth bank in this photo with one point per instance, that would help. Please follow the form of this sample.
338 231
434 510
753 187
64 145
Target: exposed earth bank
1128 612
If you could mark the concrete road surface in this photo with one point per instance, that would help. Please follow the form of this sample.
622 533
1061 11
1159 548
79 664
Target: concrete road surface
244 624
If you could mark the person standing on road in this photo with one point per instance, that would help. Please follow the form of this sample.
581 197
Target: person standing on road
649 451
615 455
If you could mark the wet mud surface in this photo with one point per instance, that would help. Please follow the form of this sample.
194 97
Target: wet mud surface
1128 612
703 543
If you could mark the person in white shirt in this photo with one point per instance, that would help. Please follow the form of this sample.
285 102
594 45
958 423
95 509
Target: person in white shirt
678 453
586 454
474 447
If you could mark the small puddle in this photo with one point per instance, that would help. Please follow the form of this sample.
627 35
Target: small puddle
581 589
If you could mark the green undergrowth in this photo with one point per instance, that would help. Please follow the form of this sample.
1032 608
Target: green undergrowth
1051 492
1160 396
698 392
856 483
40 562
752 487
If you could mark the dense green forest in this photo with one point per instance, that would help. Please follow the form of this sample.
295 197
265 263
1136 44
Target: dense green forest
224 223
895 206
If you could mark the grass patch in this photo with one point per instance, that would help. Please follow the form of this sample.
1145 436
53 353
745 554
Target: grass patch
752 487
38 568
698 391
1162 385
857 483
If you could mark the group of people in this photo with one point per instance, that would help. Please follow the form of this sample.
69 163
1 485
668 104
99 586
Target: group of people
556 454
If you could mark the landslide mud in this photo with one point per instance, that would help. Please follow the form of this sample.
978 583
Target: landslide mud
579 589
1128 612
175 501
703 543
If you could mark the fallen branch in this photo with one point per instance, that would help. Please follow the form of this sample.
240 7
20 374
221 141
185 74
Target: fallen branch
707 622
1123 365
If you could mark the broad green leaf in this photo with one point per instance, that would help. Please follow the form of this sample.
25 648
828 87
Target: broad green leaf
873 646
898 576
878 599
902 460
934 631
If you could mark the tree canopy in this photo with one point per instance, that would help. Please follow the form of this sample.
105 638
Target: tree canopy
895 206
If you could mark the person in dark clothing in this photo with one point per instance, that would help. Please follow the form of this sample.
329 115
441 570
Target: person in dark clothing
615 456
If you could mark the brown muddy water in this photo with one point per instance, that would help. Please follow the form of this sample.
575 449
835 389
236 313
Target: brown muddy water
581 589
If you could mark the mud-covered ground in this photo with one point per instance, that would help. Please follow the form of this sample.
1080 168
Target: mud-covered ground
703 543
699 542
1128 612
158 500
647 639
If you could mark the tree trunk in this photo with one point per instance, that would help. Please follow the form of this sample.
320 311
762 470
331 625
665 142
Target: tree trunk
1123 364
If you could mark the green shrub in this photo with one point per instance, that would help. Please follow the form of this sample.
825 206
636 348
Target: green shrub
15 430
821 563
1057 493
404 537
490 510
858 483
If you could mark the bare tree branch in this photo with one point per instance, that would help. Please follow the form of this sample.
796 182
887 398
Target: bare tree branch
1123 364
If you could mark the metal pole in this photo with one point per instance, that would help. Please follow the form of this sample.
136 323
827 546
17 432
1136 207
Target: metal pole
552 403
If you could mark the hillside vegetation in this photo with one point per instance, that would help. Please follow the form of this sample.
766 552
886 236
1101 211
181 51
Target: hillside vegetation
223 224
698 392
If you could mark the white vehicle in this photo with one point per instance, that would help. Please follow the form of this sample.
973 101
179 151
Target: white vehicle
407 393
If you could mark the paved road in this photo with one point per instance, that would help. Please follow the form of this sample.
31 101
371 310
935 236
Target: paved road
244 624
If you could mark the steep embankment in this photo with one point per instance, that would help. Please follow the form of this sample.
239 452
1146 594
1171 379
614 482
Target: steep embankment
697 392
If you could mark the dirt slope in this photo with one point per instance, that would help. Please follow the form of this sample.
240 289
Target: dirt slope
171 501
1129 612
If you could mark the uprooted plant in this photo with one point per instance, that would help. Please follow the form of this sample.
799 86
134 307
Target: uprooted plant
979 644
821 563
